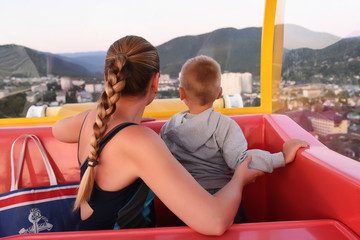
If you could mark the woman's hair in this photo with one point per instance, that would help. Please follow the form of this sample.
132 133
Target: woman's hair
201 77
129 65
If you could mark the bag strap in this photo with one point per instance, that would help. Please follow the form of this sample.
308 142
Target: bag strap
78 146
49 169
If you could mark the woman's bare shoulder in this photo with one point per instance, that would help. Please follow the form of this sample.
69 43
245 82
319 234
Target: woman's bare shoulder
135 136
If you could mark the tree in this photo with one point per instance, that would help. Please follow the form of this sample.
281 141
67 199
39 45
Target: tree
71 97
53 86
330 94
49 96
256 102
13 106
305 100
343 96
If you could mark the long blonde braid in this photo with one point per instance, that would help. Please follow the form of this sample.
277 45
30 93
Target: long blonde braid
124 76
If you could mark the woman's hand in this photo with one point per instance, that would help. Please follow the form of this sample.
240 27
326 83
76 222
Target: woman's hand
247 175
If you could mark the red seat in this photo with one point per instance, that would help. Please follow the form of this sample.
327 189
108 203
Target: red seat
320 184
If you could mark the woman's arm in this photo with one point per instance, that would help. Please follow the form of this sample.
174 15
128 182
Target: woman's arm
68 129
177 189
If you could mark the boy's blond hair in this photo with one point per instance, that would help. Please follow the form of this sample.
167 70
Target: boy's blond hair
201 77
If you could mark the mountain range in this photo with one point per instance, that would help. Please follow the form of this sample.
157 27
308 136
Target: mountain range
338 63
237 50
93 61
299 37
19 61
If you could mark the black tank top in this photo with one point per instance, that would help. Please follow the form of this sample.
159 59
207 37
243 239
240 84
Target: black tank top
130 207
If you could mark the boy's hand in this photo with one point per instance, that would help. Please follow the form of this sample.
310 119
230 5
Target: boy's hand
290 148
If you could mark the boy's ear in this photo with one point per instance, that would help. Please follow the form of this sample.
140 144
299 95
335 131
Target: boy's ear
182 93
220 93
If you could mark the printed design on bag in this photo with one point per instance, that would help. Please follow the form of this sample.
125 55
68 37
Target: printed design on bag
40 223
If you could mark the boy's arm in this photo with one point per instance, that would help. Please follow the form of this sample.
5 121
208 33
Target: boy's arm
234 150
232 143
265 161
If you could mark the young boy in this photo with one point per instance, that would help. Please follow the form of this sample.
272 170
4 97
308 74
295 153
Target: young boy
208 144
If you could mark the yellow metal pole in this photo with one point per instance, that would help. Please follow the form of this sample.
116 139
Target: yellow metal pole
278 56
267 56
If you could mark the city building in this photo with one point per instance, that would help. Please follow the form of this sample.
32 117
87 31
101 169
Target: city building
167 84
3 93
166 88
329 122
236 83
304 90
65 83
61 97
99 87
312 93
39 88
246 82
164 79
32 97
90 87
83 97
295 104
231 83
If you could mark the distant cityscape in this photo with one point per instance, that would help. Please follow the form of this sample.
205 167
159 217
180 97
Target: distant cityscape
330 112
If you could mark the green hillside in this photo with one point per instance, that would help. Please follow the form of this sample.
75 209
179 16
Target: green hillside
235 50
19 61
338 63
16 62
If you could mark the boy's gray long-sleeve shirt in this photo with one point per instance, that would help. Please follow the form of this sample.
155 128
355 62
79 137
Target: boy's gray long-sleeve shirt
211 145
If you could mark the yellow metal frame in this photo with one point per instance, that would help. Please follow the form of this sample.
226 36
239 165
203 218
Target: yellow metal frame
266 79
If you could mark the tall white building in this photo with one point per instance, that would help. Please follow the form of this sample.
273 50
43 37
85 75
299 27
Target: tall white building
77 82
99 87
65 83
90 87
236 83
61 97
231 83
246 82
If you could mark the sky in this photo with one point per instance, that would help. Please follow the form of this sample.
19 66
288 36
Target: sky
66 26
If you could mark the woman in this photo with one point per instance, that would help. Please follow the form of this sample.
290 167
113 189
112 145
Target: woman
115 184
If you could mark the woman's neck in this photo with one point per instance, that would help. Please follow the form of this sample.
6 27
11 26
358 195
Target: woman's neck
129 109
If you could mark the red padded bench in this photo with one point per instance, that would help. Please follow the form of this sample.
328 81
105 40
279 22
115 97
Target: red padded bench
320 184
